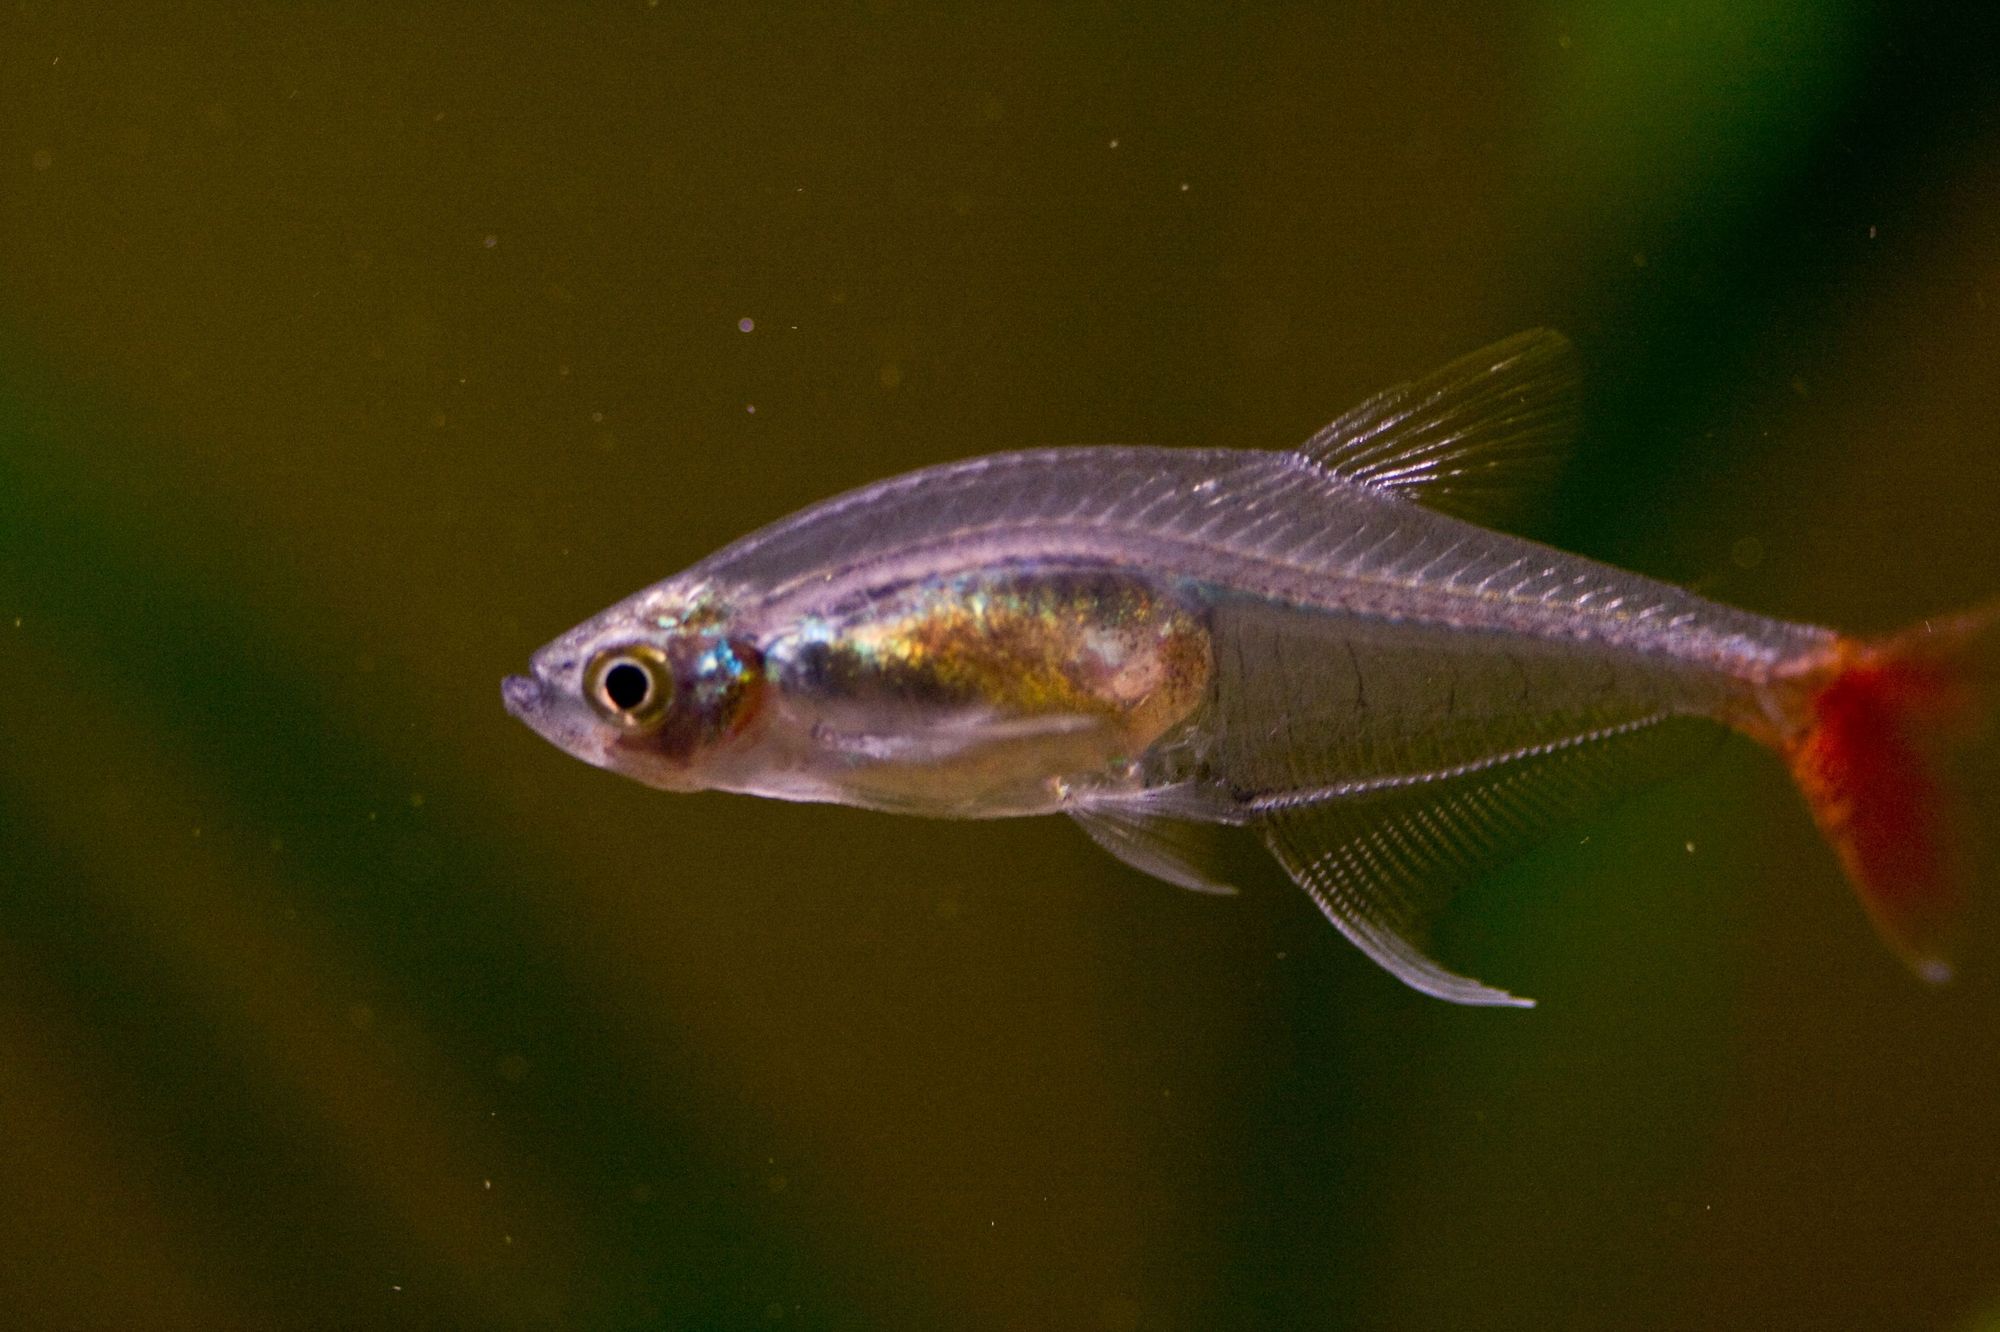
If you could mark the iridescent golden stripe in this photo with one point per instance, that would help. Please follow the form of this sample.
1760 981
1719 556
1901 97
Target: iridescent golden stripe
1029 646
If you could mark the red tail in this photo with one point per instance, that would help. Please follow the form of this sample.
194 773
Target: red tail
1880 721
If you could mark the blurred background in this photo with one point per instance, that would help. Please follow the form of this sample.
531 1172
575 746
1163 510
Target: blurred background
347 353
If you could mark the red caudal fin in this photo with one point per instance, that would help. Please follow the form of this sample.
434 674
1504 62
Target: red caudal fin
1881 722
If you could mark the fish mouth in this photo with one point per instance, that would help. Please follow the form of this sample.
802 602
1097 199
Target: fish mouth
522 696
549 712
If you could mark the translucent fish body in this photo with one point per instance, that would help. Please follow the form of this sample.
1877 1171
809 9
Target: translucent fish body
1316 644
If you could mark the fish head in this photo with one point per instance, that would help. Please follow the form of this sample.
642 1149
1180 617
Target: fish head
662 696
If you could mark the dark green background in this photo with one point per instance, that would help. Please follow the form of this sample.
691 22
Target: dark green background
348 352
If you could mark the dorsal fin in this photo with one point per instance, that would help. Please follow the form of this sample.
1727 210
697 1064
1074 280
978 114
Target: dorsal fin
1472 439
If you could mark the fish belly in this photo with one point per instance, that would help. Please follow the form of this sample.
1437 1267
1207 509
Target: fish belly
990 692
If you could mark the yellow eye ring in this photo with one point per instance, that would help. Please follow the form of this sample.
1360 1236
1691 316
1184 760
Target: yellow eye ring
630 687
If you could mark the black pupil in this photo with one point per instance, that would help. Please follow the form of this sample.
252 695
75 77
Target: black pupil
627 685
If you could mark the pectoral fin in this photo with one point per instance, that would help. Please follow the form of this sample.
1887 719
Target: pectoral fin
945 741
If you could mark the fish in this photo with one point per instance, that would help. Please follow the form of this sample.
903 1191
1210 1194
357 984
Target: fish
1334 647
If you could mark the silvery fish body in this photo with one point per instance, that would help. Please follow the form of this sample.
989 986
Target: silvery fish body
1311 643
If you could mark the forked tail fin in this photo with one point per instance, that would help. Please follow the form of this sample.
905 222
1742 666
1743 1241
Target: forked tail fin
1881 722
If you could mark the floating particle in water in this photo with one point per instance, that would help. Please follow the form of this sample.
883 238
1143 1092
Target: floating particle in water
745 324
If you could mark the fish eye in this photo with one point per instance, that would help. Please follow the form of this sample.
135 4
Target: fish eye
627 686
630 687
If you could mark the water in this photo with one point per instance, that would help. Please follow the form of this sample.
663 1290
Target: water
345 357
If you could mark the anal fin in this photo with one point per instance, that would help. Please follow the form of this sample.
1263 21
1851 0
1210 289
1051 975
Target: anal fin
1383 864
